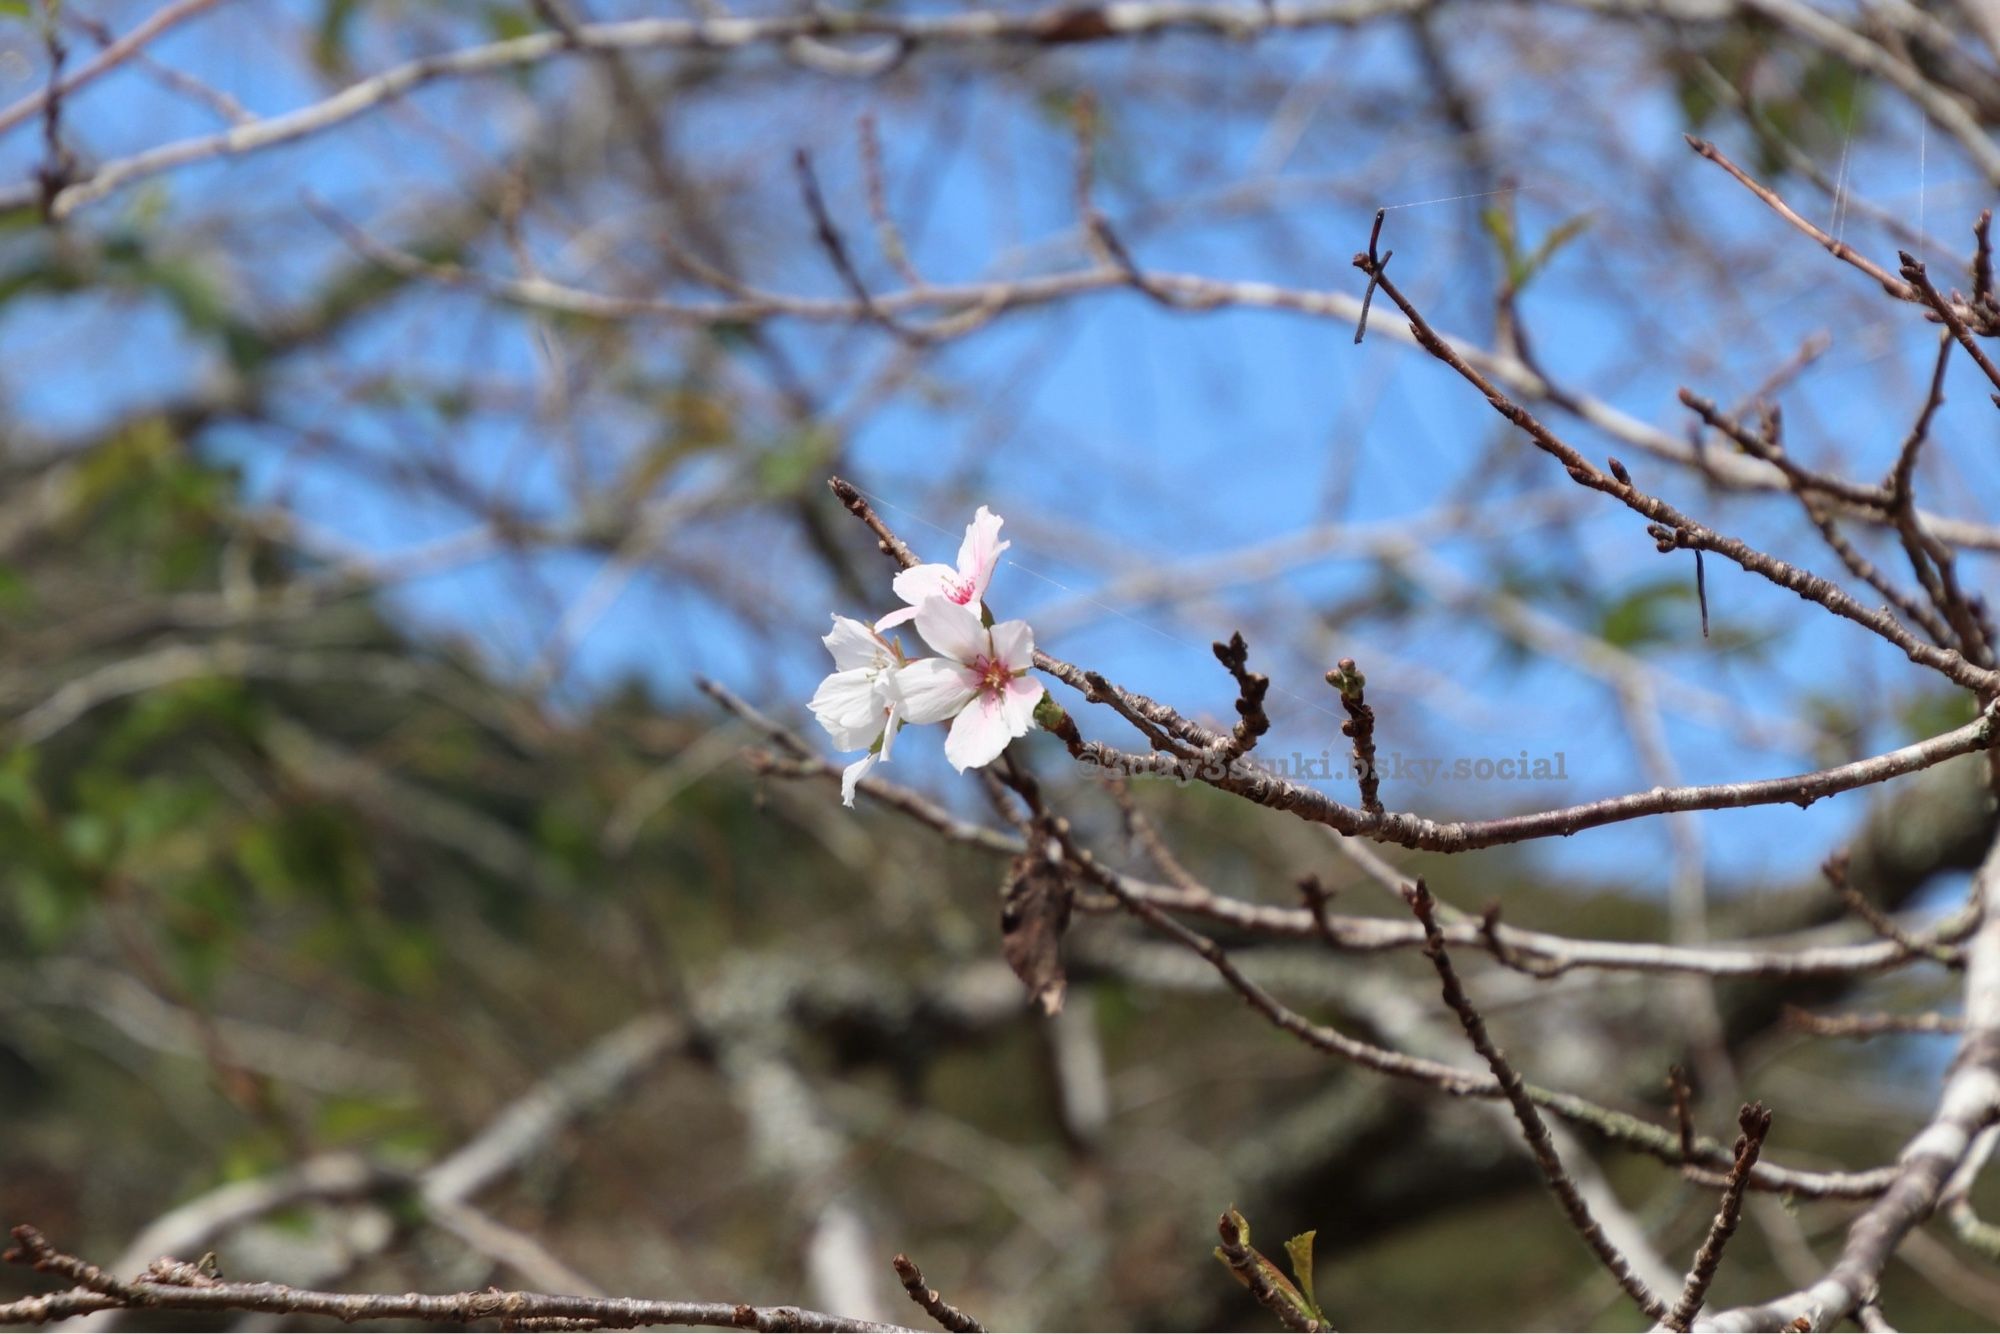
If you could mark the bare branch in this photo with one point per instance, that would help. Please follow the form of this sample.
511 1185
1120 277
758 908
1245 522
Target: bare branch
1533 1128
948 1316
103 1292
1755 1121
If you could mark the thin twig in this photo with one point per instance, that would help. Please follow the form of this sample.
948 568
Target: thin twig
1375 263
1953 319
887 234
948 1316
1755 1121
1251 687
34 1250
1533 1128
835 245
1243 1261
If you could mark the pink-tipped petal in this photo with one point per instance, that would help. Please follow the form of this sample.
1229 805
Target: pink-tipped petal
925 581
980 552
895 618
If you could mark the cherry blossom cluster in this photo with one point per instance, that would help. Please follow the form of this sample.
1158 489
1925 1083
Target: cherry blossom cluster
978 682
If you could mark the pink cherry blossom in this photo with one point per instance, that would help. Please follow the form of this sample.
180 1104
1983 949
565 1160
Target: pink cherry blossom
965 585
981 682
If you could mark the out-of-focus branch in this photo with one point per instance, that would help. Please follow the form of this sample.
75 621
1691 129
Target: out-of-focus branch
111 57
1966 1108
174 1286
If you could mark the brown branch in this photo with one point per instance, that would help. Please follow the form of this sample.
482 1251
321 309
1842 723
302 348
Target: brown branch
1489 935
887 234
948 1316
1533 1128
1427 835
1346 678
1251 687
1254 1272
1930 1162
1764 446
1925 294
1147 836
1683 1096
1669 522
1923 616
1701 1159
1319 902
1838 249
1932 561
1375 264
1982 259
105 1292
1755 1121
1834 868
857 505
1536 951
1424 834
835 245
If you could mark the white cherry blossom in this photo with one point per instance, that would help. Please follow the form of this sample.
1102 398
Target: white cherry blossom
980 682
857 704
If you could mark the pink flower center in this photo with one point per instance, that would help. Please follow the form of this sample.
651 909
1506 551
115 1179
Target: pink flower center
993 674
958 590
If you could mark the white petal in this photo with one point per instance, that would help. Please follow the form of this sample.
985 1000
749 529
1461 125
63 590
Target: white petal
895 618
849 705
980 551
953 630
853 644
979 733
851 776
889 729
1023 693
925 581
1014 644
931 690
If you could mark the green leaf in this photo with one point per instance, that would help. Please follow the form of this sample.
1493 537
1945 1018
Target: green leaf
798 463
1564 233
1640 617
1270 1273
88 838
1300 1249
336 21
1928 714
504 23
1499 224
19 796
1522 267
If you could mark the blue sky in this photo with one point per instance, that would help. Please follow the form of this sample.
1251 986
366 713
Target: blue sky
1111 432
